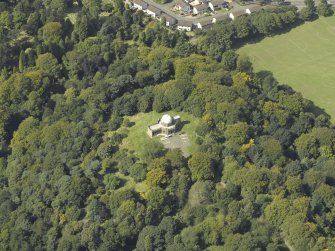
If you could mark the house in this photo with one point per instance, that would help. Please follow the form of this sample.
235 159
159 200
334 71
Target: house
166 126
219 19
252 9
184 25
204 24
183 7
200 9
169 21
140 5
232 16
154 12
217 4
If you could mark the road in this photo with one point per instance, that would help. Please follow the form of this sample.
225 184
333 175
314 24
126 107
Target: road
167 8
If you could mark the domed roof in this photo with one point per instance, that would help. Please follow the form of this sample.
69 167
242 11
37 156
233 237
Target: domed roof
166 119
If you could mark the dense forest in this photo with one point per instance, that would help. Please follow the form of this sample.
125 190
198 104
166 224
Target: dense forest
262 178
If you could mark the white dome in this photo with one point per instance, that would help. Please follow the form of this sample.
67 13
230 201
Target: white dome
166 119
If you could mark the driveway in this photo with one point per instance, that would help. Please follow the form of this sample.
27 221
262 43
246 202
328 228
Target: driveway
180 141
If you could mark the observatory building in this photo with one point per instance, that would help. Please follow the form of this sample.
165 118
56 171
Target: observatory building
165 126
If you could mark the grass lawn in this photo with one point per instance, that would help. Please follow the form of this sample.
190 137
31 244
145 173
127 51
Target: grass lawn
139 187
303 58
137 137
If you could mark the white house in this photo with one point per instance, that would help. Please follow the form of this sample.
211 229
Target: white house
140 5
169 21
166 126
217 4
200 9
154 12
232 15
184 25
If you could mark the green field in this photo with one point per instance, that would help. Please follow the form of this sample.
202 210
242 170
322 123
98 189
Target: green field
303 58
137 136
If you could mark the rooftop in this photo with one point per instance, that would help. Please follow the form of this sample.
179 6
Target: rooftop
201 7
185 23
154 9
140 2
182 4
166 119
168 17
206 22
218 2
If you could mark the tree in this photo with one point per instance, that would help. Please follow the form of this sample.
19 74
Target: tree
244 64
324 9
201 193
308 13
243 26
156 177
52 32
201 166
229 60
307 146
22 61
49 65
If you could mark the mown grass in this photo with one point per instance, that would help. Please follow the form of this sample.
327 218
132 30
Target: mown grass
137 138
303 58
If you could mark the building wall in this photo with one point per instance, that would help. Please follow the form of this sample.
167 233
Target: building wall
187 28
139 7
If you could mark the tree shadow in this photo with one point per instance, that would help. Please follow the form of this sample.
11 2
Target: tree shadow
311 107
182 124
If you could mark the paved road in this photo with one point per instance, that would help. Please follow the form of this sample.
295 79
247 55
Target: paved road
167 9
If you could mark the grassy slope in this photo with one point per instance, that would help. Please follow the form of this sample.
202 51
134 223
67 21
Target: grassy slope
304 58
138 138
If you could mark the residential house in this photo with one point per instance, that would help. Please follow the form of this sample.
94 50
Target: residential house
140 5
219 19
183 7
169 21
154 12
204 24
184 25
252 9
217 4
200 9
232 15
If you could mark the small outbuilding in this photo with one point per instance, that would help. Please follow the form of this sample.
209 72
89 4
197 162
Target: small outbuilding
166 126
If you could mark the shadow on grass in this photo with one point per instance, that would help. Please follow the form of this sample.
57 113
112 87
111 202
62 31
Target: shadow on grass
312 108
182 124
259 37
